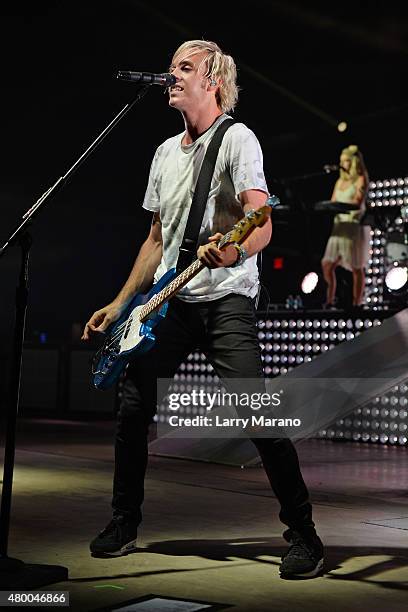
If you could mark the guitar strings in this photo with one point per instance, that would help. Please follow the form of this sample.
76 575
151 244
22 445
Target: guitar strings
119 330
121 327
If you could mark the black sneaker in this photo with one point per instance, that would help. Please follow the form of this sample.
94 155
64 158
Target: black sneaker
304 559
329 306
117 539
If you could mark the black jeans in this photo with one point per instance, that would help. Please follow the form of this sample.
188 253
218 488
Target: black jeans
225 330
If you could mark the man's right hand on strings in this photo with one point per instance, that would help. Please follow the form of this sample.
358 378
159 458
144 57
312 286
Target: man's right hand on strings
101 319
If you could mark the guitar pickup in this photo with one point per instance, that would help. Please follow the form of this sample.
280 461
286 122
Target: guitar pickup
128 326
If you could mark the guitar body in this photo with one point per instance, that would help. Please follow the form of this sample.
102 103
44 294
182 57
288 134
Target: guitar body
128 337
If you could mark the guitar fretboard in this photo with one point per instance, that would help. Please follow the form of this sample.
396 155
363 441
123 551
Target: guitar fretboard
156 302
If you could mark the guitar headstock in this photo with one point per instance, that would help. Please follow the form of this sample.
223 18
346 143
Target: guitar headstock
252 219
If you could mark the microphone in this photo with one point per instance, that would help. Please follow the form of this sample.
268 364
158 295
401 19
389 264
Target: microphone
330 168
333 167
149 78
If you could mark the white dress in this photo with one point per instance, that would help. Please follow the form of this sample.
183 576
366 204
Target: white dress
349 242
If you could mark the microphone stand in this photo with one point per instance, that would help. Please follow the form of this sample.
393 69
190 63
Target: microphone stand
36 575
302 177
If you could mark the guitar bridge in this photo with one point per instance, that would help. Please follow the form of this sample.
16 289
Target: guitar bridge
104 356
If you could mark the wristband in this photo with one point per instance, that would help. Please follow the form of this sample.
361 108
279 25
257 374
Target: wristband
242 255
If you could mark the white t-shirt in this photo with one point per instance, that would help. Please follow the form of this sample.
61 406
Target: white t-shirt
173 176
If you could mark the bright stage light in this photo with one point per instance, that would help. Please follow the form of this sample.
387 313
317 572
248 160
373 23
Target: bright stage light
396 279
309 283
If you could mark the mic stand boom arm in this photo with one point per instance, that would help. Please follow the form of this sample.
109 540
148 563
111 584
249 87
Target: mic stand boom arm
29 215
302 177
21 236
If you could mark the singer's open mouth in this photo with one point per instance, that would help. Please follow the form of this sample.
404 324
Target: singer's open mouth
176 88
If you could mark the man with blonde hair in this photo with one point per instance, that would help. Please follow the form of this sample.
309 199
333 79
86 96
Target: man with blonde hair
214 311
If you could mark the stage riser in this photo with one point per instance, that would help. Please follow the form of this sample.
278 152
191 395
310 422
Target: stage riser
385 198
289 339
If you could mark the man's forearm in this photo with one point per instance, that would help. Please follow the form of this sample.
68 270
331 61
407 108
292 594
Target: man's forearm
141 277
254 199
258 240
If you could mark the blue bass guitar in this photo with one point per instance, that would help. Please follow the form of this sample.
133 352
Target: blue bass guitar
131 335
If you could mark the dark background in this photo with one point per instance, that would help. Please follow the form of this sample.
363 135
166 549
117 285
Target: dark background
303 67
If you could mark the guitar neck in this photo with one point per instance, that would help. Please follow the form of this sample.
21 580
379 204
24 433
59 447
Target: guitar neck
157 301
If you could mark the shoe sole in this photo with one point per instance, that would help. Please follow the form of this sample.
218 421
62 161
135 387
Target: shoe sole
127 549
311 574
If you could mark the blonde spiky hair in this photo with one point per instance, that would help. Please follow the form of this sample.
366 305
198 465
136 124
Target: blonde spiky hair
219 66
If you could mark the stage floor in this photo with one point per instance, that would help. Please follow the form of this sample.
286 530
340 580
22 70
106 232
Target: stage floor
211 532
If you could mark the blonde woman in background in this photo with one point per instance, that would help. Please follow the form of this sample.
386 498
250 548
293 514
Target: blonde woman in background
348 245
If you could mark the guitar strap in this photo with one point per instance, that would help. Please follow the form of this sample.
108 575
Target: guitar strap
189 244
